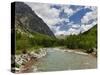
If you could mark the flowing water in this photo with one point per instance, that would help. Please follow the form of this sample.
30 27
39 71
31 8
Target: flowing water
57 60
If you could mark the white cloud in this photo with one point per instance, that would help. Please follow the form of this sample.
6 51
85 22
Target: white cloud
90 15
76 26
54 21
51 17
84 28
71 31
67 32
93 8
60 32
48 14
68 11
81 28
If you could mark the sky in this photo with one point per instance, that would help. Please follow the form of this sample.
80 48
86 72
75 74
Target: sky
66 19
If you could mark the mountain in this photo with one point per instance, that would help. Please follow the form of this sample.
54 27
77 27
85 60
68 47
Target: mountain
31 31
86 40
26 20
92 31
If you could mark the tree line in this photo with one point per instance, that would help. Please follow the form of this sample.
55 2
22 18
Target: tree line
86 40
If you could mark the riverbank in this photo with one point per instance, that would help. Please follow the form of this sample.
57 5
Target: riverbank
25 62
71 50
77 51
80 51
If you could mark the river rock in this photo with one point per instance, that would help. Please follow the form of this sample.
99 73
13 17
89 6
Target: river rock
24 58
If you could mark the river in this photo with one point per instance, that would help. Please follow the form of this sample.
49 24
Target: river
57 60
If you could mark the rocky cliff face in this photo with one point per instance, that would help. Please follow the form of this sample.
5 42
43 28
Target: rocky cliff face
27 20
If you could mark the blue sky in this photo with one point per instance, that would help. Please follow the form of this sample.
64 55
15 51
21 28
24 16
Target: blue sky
78 15
66 19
